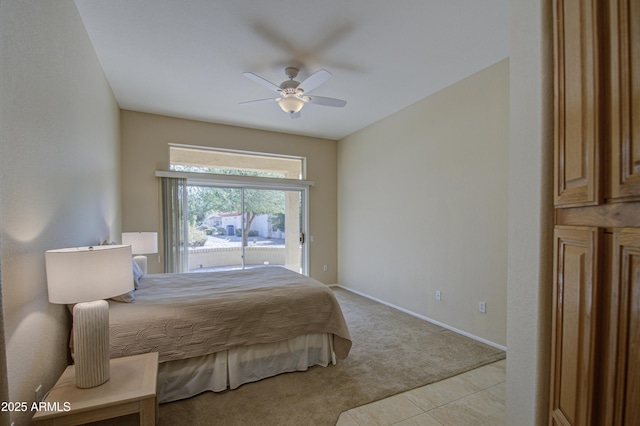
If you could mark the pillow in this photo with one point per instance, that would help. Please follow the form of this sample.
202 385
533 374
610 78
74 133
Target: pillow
130 296
137 274
126 297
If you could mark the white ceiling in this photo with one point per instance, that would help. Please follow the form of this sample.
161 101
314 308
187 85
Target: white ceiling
185 58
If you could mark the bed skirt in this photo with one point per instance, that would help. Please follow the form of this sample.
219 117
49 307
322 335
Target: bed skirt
232 368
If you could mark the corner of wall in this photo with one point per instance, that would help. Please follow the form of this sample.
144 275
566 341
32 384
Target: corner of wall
530 213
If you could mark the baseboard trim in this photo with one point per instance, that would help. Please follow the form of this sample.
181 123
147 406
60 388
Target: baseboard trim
422 317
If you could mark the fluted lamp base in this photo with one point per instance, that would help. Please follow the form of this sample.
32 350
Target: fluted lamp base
91 343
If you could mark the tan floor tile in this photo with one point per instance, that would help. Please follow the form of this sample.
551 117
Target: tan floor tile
485 376
472 398
502 363
481 408
440 393
385 412
498 391
345 419
421 420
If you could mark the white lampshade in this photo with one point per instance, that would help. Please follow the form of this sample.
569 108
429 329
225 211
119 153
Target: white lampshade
141 242
84 274
291 104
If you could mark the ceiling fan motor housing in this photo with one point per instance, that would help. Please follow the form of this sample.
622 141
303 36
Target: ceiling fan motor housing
291 72
289 86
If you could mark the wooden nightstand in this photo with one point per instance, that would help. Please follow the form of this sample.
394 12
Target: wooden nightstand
131 389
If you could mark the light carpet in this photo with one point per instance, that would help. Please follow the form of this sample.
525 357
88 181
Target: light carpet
392 352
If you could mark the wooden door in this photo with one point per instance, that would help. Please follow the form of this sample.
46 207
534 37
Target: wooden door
595 374
625 329
574 324
625 100
578 103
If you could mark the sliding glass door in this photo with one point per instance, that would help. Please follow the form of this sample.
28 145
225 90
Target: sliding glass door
244 227
215 223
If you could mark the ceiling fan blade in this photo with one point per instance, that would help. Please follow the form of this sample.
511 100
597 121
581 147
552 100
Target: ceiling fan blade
260 101
266 83
314 80
294 114
321 100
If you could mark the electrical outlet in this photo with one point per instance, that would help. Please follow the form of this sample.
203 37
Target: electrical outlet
325 268
482 307
39 396
438 297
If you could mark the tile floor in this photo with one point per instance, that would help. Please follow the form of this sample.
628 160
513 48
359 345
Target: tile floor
472 398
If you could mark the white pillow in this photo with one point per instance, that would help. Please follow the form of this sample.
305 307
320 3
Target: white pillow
137 274
129 296
126 297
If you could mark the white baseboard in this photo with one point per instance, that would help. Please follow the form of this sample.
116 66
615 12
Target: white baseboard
422 317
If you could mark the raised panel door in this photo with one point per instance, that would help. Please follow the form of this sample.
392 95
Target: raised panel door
574 324
624 36
577 179
626 285
595 360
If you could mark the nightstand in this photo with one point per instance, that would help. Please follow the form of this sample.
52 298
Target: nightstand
131 389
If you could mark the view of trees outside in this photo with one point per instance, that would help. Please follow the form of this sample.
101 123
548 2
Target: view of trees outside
204 201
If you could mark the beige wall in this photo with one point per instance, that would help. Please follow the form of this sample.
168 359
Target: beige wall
530 213
59 146
145 149
430 184
59 176
4 382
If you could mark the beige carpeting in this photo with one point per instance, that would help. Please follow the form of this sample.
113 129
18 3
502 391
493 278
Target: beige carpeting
392 352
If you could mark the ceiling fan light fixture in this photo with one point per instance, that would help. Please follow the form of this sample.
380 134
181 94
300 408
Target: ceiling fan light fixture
292 94
291 104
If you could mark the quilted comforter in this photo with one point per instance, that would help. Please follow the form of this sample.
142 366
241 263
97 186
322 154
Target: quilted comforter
192 314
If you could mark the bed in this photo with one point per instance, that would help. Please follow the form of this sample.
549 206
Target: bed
218 330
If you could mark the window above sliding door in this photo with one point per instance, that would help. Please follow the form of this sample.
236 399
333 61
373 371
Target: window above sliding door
244 209
227 162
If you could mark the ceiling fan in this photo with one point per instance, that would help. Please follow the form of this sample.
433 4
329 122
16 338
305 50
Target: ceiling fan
294 95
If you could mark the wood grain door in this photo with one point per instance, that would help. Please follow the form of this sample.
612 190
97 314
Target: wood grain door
595 374
574 324
625 99
578 103
625 328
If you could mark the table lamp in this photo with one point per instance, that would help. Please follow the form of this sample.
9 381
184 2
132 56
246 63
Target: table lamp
86 276
141 243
